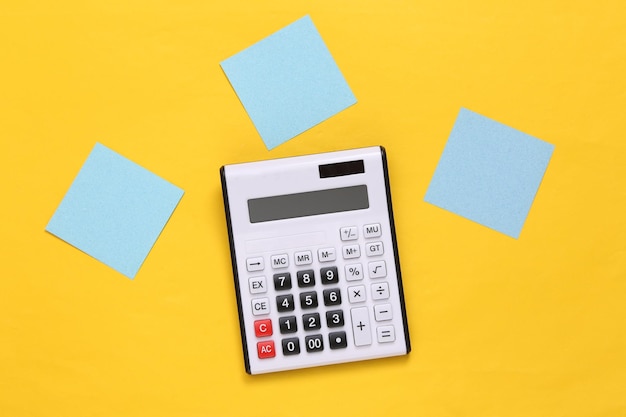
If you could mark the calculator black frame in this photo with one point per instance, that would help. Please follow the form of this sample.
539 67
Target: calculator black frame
233 257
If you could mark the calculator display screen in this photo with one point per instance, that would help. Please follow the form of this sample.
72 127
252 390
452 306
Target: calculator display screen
311 203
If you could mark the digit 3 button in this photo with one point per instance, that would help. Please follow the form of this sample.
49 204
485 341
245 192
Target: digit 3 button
337 340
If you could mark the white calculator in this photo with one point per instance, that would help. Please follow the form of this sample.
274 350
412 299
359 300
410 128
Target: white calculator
315 260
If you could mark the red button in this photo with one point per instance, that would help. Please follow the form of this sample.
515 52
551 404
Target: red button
263 328
266 349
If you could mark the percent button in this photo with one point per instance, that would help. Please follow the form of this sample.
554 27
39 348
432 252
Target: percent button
354 272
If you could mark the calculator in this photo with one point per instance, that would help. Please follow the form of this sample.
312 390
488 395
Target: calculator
315 260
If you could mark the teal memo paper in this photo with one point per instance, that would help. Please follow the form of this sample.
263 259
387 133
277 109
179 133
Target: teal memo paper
489 173
288 82
114 210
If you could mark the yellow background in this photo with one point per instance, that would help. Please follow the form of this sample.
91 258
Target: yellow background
499 326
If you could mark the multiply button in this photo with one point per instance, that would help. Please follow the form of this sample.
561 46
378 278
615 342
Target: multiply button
356 294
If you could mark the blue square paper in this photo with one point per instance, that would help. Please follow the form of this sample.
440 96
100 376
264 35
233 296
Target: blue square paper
288 82
489 173
114 210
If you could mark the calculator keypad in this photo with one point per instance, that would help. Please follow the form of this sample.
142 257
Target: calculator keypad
326 307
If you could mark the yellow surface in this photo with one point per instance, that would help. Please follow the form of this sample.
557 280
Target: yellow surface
500 327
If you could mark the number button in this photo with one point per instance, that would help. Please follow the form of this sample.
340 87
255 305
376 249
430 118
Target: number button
332 297
306 278
291 346
285 303
329 275
334 318
311 321
288 324
282 281
337 340
314 343
308 300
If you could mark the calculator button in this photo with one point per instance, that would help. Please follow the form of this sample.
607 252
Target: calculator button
306 278
329 275
314 343
337 340
291 346
280 261
257 285
326 254
311 321
374 249
332 297
288 324
255 264
354 272
372 230
263 328
308 300
351 252
334 318
380 291
266 349
377 269
282 281
361 326
349 233
382 312
303 258
285 303
356 294
260 306
385 334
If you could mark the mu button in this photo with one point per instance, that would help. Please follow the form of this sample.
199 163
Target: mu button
263 328
266 349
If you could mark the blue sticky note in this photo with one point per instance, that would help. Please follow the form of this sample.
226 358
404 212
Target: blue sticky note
288 82
489 173
114 210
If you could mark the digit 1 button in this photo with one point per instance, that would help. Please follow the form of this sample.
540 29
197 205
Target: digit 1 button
288 324
265 349
263 328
